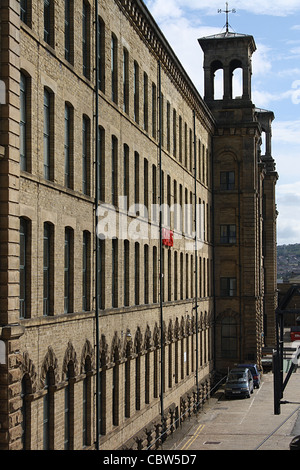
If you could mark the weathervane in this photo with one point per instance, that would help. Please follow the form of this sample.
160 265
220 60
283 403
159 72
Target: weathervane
227 12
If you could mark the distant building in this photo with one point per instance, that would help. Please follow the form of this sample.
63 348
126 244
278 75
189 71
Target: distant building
97 349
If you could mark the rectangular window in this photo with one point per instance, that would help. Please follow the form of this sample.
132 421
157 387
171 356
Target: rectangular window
137 273
228 287
115 260
85 40
101 164
180 139
136 178
23 266
154 111
69 30
154 274
145 102
49 22
114 69
154 195
146 190
168 126
101 54
47 135
126 177
86 272
67 146
229 337
227 180
146 274
23 11
125 81
23 122
126 273
101 272
114 170
68 271
85 155
175 275
228 234
174 133
136 92
46 269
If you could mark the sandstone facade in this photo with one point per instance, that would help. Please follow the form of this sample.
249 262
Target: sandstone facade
159 349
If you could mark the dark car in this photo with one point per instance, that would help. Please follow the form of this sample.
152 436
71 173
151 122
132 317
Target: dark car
254 371
239 383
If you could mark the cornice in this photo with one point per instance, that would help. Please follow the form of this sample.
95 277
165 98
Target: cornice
150 33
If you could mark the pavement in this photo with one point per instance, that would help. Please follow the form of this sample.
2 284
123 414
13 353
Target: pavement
242 423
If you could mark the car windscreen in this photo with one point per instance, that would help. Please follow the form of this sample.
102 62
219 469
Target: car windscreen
237 377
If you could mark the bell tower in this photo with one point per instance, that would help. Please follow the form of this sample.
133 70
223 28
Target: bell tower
227 52
243 280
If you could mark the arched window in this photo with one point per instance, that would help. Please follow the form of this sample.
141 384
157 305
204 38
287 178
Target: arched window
170 369
217 76
176 361
138 382
229 337
127 387
26 413
103 394
115 390
147 377
48 412
86 404
67 413
236 76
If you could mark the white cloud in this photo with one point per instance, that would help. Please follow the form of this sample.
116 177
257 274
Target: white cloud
268 7
287 132
288 202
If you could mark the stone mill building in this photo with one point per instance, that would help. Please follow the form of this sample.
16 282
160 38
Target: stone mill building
137 225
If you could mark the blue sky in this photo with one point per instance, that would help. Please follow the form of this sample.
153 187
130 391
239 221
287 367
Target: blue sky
275 26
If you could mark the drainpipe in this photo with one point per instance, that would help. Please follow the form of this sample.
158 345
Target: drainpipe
240 261
196 257
214 253
160 256
97 261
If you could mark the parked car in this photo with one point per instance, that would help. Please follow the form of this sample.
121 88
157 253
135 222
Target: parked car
295 443
295 333
254 371
239 383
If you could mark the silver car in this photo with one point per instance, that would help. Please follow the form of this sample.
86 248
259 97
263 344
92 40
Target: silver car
239 383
